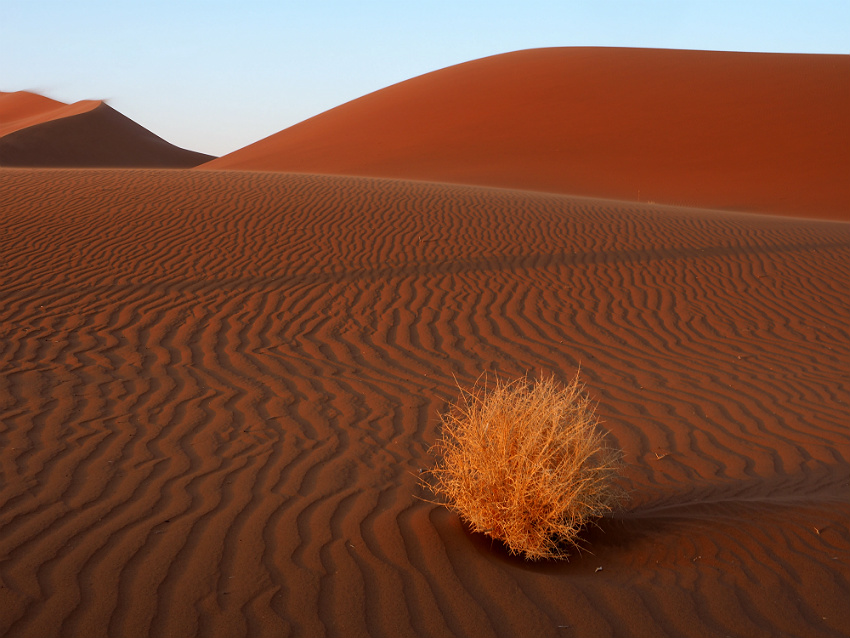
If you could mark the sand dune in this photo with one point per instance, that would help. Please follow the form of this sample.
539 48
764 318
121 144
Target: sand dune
38 131
22 109
738 131
218 389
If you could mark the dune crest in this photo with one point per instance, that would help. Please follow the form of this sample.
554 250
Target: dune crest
22 109
742 131
36 131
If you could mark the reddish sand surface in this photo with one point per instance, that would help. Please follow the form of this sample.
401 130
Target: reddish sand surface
736 131
39 132
218 388
22 109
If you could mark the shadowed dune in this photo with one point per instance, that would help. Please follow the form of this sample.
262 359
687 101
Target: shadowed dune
217 389
36 131
737 131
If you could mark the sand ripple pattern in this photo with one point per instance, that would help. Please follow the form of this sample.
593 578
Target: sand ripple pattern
217 391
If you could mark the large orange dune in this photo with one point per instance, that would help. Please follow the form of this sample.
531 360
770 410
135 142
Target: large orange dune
218 389
738 131
38 131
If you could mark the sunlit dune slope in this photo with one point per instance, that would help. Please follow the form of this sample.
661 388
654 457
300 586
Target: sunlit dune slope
747 131
22 109
36 131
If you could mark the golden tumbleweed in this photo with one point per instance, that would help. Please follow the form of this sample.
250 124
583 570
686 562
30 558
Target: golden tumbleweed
526 463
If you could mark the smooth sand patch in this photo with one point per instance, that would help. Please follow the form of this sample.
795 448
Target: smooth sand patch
737 131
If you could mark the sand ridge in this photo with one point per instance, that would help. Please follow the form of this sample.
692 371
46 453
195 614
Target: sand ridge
218 388
738 131
38 131
22 109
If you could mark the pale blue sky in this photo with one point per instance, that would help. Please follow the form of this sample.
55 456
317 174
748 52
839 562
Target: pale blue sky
214 76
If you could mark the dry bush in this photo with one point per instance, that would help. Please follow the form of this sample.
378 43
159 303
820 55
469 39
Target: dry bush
525 463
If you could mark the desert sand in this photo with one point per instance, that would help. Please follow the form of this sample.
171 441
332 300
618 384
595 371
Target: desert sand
737 131
218 389
38 131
